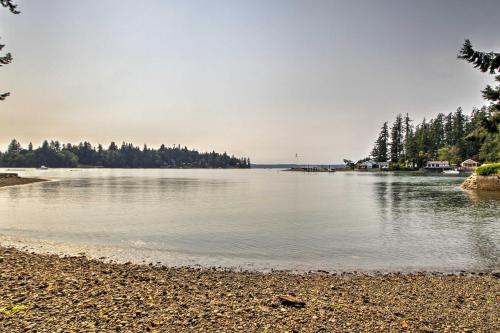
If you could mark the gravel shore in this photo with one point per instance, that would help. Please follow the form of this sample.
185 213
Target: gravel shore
11 181
47 293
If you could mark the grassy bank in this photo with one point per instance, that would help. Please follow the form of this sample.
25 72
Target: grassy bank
49 293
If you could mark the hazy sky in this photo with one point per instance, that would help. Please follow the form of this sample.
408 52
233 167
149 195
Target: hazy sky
265 79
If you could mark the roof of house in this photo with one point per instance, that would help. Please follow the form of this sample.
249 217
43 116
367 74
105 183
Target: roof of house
438 162
470 161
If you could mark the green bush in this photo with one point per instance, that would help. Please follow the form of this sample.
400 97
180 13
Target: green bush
399 167
488 169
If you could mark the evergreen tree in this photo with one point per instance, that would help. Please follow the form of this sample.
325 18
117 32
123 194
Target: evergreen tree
408 131
7 58
486 62
396 145
113 146
448 129
14 147
379 152
490 149
436 134
458 132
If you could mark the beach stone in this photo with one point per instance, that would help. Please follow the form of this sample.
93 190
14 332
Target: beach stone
110 297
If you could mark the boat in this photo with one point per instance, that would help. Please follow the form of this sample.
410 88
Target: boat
451 172
42 167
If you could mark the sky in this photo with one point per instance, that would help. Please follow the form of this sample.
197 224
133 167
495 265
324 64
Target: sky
266 79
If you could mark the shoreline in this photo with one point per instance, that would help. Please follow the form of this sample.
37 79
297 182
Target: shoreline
15 181
42 291
120 255
476 182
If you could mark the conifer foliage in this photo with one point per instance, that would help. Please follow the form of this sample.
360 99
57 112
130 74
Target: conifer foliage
486 62
454 136
7 58
54 154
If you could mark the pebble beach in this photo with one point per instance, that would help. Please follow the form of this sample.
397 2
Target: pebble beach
49 293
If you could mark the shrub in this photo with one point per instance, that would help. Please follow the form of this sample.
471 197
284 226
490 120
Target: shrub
488 169
400 167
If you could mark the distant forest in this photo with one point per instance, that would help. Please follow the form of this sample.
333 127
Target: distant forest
452 137
54 154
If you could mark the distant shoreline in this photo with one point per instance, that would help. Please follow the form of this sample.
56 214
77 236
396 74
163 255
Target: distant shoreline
17 169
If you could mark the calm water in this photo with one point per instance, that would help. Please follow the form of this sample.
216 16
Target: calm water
257 219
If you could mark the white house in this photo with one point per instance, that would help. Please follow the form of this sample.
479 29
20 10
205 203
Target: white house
383 165
469 165
437 165
370 164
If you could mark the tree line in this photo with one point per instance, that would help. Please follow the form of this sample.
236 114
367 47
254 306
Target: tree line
453 137
54 154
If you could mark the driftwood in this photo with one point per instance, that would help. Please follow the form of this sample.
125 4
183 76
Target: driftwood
290 300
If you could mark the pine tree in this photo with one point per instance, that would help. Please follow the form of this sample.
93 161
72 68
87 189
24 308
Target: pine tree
14 147
407 128
436 135
379 152
396 150
486 62
458 131
448 129
7 58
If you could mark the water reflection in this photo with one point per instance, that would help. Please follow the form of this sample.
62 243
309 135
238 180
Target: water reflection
262 218
437 210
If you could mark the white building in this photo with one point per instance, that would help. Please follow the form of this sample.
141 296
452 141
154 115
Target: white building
383 165
370 164
437 165
469 165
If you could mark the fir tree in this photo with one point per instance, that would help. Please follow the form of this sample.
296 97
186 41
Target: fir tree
486 62
448 129
7 58
379 152
396 145
408 129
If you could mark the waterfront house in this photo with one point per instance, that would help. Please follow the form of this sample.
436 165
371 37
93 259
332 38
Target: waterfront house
370 164
383 165
437 165
469 165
